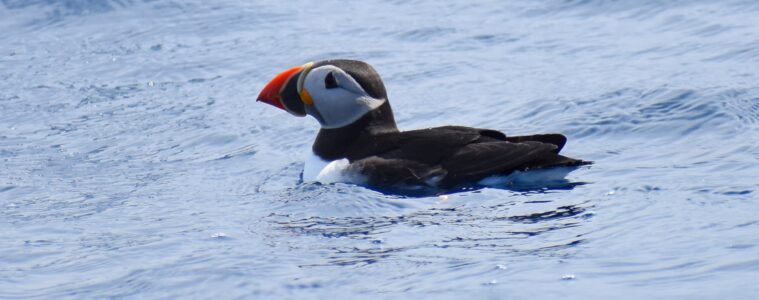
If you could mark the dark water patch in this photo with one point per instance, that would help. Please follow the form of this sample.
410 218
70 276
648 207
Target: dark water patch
744 192
201 80
559 213
425 34
747 54
340 227
481 41
711 30
636 9
244 151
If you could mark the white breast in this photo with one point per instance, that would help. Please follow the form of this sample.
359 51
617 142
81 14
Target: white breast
319 170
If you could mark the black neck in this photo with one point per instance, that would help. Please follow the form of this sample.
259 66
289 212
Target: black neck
334 143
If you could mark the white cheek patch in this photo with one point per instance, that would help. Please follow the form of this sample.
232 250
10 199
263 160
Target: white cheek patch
339 106
342 105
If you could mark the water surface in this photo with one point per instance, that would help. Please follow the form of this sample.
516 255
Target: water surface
135 163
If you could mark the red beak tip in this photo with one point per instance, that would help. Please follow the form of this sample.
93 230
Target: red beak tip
276 103
270 94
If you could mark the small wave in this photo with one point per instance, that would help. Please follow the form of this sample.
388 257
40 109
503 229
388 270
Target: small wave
359 240
52 12
364 227
661 112
638 9
425 34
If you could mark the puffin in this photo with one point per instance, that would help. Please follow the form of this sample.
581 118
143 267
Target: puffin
359 141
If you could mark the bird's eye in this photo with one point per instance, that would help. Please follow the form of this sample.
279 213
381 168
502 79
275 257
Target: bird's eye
330 82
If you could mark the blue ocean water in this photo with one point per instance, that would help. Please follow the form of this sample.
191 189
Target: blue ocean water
135 162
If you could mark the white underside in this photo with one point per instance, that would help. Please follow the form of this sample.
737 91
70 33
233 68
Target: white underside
528 178
318 170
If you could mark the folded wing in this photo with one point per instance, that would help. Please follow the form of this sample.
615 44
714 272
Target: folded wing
453 155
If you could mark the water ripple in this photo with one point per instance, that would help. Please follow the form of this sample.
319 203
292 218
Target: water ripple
135 162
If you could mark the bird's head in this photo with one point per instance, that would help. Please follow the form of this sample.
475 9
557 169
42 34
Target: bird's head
335 92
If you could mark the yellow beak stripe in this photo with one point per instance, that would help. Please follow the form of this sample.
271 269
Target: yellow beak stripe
306 97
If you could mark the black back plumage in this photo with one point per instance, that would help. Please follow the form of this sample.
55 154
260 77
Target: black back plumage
443 156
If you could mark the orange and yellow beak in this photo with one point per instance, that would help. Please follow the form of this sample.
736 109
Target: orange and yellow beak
287 94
